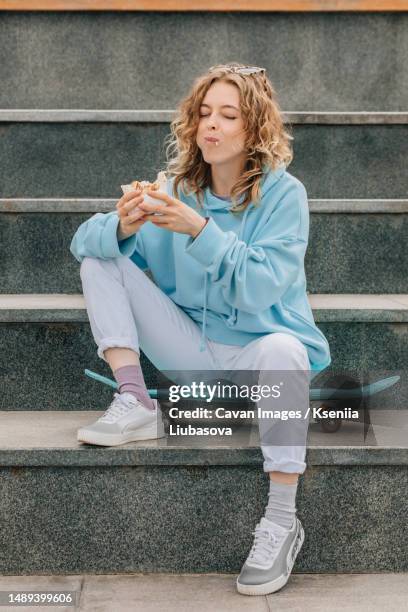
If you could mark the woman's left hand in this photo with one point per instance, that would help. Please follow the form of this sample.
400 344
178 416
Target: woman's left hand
176 216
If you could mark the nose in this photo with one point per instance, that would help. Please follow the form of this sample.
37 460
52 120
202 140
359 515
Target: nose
211 122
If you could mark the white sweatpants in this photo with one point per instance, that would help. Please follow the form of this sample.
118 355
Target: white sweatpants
126 309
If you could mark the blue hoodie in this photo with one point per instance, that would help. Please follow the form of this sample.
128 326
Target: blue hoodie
242 277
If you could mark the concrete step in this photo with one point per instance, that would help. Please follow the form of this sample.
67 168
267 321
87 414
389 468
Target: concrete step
108 59
49 344
37 233
152 592
189 504
43 156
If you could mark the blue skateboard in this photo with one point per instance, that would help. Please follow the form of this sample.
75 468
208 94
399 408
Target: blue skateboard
342 391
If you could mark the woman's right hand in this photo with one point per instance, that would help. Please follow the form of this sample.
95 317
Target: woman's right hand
130 224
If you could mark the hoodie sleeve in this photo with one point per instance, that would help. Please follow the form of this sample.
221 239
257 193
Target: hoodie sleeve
97 237
254 276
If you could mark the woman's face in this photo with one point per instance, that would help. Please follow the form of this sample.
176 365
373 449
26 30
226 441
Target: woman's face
220 118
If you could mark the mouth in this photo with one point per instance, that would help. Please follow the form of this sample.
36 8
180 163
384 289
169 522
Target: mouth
213 140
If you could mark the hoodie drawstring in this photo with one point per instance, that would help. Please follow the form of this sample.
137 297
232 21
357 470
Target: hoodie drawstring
202 343
233 317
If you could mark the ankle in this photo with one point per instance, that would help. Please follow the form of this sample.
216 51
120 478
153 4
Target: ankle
281 507
120 357
284 477
146 401
130 380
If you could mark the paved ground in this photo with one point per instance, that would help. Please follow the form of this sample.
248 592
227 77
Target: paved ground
216 593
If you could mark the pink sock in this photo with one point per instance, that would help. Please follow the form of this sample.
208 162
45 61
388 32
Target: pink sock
130 380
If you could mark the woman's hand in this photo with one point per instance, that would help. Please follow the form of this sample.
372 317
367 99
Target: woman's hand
176 216
129 224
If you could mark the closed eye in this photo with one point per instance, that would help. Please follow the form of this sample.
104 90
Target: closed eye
232 118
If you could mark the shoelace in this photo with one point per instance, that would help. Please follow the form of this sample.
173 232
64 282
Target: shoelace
117 409
265 545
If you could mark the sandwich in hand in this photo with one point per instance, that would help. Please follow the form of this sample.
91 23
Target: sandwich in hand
158 185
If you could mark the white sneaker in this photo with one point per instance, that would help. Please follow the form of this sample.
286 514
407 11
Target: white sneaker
271 558
126 420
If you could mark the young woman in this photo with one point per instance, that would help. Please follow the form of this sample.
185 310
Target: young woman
227 256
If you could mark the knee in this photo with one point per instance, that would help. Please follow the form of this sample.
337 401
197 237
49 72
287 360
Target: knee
89 267
285 350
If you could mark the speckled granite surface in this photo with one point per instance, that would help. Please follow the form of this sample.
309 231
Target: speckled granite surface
46 362
339 257
194 518
66 509
71 159
189 504
104 59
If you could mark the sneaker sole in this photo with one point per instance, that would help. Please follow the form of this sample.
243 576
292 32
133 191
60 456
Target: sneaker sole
273 585
150 432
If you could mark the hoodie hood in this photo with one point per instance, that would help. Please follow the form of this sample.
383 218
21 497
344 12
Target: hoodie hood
212 202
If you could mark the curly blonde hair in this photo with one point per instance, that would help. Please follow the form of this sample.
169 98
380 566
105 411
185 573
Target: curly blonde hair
267 141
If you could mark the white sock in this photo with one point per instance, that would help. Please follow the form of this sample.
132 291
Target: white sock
281 507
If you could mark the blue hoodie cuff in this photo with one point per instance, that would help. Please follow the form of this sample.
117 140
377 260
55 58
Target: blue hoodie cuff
205 247
110 245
